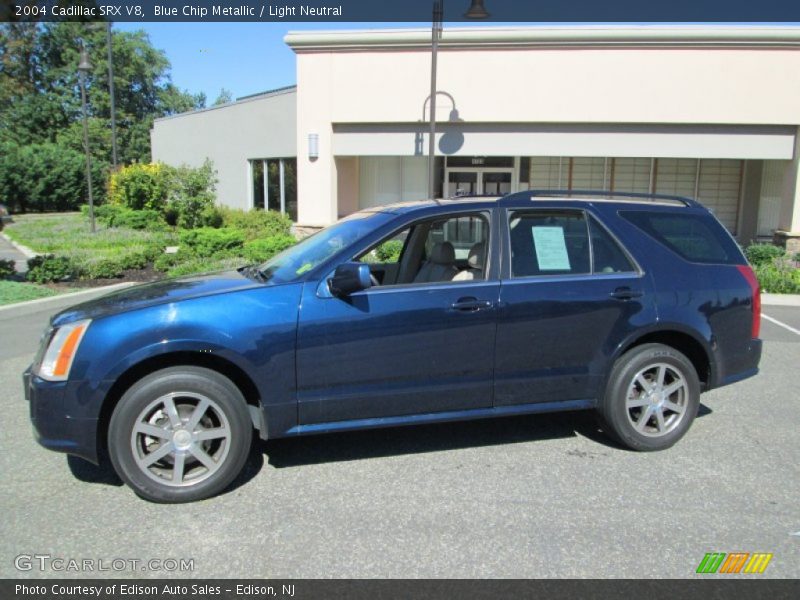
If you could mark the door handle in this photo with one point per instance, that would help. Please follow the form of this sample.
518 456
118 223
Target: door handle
625 293
470 304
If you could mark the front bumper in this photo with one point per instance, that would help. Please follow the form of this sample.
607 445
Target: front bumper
53 427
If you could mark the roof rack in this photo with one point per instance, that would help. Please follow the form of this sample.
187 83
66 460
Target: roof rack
612 196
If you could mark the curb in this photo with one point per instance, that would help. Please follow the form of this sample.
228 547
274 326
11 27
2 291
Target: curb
42 303
780 299
24 249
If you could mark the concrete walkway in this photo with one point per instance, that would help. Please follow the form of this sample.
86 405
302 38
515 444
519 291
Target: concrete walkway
9 252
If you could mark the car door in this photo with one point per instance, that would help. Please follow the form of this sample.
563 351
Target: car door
570 294
405 348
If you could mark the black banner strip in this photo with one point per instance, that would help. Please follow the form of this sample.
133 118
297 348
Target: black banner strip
708 588
619 11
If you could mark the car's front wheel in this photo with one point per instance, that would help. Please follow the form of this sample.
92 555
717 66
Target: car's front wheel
180 434
651 399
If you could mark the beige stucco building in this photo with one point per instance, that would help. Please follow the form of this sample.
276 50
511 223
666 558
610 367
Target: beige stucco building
708 112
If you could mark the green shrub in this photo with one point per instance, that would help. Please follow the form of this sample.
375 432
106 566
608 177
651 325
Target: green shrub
211 217
203 265
762 254
105 268
206 241
45 177
134 260
193 194
796 257
780 278
265 248
256 223
165 262
140 219
47 268
171 215
389 252
141 186
105 213
153 251
7 269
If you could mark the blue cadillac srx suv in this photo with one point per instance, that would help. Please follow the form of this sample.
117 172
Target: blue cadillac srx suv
408 313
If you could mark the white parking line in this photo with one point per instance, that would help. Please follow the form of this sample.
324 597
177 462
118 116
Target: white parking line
781 324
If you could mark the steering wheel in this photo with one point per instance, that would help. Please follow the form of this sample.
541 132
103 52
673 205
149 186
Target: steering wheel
374 279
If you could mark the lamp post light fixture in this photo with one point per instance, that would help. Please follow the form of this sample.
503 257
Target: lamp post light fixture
84 67
476 11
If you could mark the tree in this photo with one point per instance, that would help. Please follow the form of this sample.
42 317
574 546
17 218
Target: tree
224 97
40 96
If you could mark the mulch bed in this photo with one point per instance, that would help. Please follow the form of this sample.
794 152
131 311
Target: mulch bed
131 275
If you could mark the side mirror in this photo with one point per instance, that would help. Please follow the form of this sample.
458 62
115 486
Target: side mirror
348 278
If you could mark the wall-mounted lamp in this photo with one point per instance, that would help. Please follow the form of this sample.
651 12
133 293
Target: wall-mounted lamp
313 146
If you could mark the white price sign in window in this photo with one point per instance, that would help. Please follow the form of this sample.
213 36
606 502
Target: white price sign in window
551 249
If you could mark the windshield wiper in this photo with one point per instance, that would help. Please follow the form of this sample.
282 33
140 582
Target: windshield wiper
253 272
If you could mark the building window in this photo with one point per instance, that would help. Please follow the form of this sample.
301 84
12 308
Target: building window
715 183
274 182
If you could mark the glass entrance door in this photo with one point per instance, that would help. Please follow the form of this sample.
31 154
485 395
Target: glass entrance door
477 181
462 183
497 183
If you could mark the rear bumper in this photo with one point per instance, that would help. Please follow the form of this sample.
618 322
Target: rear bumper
53 428
747 365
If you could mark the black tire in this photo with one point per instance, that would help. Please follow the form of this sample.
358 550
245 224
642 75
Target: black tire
172 396
629 411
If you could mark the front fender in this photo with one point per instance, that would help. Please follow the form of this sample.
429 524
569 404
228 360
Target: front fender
255 330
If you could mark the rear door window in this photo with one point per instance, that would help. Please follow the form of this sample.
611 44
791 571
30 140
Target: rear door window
607 255
549 243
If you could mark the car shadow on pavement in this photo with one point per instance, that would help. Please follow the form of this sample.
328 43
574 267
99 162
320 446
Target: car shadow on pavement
88 472
376 443
104 473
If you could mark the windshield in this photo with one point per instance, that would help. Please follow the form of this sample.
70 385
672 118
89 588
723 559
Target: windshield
316 249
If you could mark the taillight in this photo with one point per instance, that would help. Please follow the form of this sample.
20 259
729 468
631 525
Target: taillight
750 276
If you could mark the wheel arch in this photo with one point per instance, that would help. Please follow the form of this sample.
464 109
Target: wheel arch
698 351
145 367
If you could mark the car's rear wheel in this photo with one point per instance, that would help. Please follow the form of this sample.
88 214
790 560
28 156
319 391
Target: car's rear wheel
651 398
180 434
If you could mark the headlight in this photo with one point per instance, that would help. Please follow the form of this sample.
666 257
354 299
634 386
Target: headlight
58 357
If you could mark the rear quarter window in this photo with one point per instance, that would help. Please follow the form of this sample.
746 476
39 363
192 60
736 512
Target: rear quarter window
696 238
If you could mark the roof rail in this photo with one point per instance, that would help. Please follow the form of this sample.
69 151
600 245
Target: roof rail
610 195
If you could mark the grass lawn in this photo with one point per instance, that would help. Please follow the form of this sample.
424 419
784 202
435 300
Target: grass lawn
14 291
67 234
122 252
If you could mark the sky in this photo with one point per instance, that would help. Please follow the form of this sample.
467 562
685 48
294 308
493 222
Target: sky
244 58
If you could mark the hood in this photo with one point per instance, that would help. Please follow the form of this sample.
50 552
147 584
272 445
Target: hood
152 294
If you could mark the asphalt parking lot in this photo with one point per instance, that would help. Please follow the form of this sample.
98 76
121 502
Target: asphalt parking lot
541 496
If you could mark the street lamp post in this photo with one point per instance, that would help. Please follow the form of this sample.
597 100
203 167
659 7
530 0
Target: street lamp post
111 93
476 11
436 32
83 68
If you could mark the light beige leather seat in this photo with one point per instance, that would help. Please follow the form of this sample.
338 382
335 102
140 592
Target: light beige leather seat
476 261
440 266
